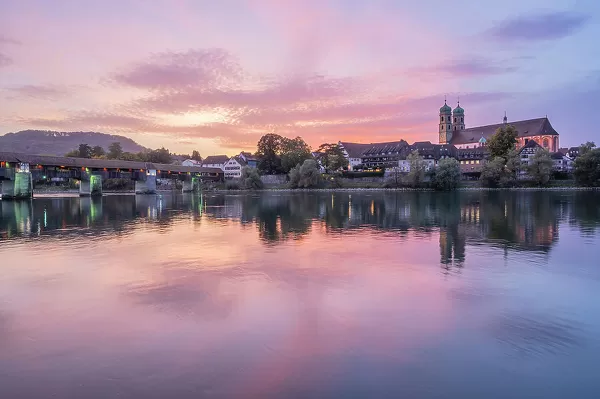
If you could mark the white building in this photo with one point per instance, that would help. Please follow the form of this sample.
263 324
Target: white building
233 167
191 162
215 161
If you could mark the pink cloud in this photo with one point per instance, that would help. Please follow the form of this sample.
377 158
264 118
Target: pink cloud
5 60
47 92
206 68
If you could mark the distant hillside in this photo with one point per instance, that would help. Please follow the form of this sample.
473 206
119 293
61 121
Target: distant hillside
43 142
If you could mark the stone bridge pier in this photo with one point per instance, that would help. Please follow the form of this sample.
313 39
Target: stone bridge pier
145 182
17 182
90 185
191 184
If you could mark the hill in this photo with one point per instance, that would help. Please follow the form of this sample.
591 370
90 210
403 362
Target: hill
43 142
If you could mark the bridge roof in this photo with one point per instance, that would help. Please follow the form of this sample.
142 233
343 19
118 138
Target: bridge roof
67 162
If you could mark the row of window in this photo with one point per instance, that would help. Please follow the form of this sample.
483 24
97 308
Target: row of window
476 162
462 119
232 168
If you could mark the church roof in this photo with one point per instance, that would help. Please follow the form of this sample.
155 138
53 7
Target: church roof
445 109
531 127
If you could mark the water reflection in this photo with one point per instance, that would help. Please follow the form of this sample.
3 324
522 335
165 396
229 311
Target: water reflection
512 220
377 294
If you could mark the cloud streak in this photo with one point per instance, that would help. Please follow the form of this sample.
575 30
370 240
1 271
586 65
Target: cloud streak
5 60
541 27
45 92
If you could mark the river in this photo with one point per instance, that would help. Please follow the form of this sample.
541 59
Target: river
301 295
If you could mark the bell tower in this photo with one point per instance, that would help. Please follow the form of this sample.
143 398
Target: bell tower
458 117
445 131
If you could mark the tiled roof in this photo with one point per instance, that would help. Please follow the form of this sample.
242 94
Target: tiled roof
383 148
556 155
240 160
215 159
354 150
531 127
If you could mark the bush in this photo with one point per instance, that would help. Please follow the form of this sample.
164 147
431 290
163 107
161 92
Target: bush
250 179
232 184
353 174
447 174
305 176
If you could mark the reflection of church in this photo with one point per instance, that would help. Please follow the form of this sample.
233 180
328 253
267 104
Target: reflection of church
453 130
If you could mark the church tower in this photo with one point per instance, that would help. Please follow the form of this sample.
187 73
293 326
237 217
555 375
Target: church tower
458 117
445 124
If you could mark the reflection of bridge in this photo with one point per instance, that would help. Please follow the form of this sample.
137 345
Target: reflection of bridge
18 171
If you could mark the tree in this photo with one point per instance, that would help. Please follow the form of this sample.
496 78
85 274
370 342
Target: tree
293 152
85 151
502 141
587 168
447 174
250 179
416 175
196 156
540 166
72 154
306 175
268 152
332 157
115 150
161 155
98 151
587 147
492 172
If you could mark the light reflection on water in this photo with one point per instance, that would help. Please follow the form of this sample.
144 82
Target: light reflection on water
421 295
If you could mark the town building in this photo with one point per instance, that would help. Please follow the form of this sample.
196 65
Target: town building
251 160
233 167
453 130
191 162
353 153
215 161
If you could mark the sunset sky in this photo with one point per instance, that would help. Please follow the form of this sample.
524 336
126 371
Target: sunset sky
216 75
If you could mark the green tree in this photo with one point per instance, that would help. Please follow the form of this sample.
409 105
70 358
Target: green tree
196 156
98 151
587 168
293 152
251 179
85 151
306 175
161 155
447 174
115 150
72 154
587 147
129 156
492 172
502 141
268 151
332 157
540 167
416 174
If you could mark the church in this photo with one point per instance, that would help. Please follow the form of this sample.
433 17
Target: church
453 130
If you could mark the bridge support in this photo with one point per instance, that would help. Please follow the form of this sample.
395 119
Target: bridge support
191 185
20 187
146 185
91 187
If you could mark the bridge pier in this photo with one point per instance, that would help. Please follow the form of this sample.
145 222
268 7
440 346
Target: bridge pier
146 185
19 186
91 187
190 185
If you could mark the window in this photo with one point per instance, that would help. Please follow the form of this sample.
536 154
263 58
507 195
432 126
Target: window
454 127
477 162
462 119
545 143
442 119
526 141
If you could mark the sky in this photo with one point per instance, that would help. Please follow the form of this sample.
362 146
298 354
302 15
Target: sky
216 75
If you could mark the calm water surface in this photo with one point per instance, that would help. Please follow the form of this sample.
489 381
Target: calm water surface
345 295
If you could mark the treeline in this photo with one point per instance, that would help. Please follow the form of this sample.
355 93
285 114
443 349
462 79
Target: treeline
115 151
279 155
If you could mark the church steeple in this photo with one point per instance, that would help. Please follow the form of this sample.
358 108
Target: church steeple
505 120
458 116
445 124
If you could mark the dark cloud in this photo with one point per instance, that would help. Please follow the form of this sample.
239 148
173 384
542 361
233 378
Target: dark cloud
548 26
